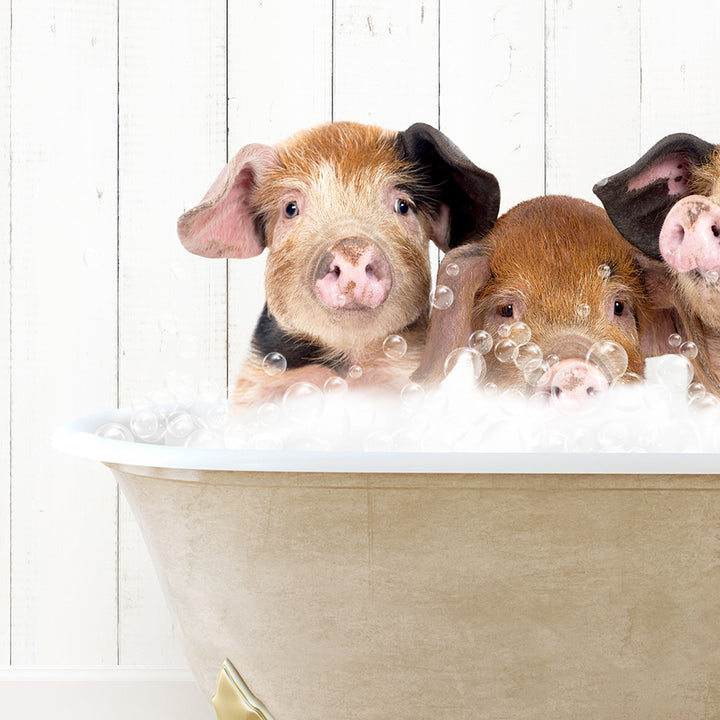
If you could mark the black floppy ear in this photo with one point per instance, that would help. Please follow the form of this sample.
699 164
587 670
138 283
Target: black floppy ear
638 198
471 194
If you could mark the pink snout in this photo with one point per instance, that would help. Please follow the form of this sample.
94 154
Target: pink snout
690 236
573 382
353 275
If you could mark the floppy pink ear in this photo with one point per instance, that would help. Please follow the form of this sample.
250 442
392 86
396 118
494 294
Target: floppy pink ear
450 328
223 224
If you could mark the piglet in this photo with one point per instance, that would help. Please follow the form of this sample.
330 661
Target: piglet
566 302
346 212
667 204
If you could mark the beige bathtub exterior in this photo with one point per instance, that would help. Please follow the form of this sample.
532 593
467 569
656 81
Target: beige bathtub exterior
412 596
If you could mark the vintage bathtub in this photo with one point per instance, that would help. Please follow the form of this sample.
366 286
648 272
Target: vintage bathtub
422 585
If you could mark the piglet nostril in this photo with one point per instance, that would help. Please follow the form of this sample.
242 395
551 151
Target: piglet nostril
716 231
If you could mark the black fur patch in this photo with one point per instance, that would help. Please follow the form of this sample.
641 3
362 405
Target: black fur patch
270 337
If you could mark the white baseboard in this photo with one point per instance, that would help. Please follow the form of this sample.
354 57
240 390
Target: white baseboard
112 693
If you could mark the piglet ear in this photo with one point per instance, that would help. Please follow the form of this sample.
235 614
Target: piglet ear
471 195
223 224
638 198
450 327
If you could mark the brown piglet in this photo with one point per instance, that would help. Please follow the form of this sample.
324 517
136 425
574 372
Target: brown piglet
667 204
568 304
346 212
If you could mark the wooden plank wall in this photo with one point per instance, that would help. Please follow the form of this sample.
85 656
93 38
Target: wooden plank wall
115 116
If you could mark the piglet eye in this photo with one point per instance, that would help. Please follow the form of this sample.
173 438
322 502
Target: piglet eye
619 307
292 209
506 311
402 207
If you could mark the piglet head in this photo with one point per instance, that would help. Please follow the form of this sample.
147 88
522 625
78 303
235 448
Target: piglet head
668 205
346 212
559 298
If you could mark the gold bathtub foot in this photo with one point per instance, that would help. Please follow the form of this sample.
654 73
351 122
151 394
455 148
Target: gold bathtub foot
233 700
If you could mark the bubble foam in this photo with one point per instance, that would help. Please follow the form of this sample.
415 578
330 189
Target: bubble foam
664 413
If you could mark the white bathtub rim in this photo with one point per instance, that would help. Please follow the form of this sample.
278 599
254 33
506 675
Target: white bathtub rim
77 437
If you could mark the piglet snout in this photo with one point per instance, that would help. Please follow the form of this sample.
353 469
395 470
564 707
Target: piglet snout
573 382
690 236
353 274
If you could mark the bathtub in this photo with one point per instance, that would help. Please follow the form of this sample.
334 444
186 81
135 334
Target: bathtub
343 586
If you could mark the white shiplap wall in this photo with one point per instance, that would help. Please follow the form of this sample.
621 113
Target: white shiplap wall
115 116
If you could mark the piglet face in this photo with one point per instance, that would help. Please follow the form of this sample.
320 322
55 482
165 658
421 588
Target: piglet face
347 241
560 292
561 270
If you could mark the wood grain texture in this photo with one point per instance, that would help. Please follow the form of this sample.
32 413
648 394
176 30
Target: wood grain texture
592 81
5 329
173 314
492 90
680 91
64 295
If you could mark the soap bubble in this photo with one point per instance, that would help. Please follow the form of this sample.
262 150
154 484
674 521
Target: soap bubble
268 414
216 416
582 310
412 395
711 276
689 350
519 333
164 402
442 298
355 372
303 401
627 378
146 425
274 363
609 357
707 401
504 330
180 425
481 340
467 359
202 438
674 372
394 347
182 385
675 340
335 386
506 350
528 353
536 374
452 269
552 359
604 271
115 431
695 389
